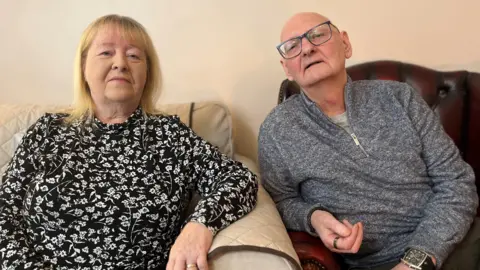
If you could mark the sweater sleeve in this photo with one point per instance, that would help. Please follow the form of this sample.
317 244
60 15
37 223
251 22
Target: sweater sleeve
277 180
15 252
228 189
452 208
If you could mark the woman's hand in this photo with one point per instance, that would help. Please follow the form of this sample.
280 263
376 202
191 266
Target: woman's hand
191 248
339 237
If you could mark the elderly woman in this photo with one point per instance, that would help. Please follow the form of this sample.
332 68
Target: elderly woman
105 186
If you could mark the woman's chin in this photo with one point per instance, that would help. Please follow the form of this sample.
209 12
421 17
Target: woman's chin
121 96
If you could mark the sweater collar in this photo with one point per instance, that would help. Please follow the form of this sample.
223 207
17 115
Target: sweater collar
310 103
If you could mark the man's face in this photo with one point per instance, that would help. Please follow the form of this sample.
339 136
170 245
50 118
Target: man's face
315 63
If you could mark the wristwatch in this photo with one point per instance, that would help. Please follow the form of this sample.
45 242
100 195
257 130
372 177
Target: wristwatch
417 259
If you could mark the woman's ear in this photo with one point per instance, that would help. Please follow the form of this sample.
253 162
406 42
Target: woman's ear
83 65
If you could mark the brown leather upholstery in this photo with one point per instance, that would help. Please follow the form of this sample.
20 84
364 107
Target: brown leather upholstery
455 96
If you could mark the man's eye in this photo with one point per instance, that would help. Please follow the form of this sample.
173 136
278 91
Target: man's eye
317 35
290 46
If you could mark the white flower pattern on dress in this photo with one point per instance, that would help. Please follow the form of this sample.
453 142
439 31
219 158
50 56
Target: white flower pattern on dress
111 196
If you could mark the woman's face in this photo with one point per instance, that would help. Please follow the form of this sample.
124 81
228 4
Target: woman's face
115 69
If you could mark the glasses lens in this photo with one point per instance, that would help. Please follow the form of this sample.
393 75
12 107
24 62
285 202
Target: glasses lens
291 48
319 34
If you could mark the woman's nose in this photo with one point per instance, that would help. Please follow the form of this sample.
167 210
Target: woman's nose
119 62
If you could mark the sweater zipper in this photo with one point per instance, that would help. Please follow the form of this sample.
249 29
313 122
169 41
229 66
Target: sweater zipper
355 139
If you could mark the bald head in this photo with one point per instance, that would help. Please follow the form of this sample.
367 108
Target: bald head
300 23
316 51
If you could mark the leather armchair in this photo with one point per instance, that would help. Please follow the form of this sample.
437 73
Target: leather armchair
454 96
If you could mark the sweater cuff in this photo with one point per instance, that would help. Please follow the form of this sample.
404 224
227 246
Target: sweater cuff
435 248
308 220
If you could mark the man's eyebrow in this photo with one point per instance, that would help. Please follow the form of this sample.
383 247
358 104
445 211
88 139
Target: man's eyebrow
290 38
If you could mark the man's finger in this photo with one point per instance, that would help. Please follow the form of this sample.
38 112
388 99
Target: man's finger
338 228
346 243
358 241
347 223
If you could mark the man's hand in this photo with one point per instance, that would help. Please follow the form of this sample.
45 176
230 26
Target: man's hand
401 266
191 247
329 228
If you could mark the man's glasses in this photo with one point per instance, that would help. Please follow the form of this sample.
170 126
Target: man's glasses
317 36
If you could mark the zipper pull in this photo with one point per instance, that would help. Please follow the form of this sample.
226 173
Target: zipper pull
355 139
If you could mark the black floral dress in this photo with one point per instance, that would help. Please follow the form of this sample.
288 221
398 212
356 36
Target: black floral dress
111 196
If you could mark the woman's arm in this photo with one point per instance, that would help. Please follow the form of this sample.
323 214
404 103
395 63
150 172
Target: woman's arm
228 189
15 252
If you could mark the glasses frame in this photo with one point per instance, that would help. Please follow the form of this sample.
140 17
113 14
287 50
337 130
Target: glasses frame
305 35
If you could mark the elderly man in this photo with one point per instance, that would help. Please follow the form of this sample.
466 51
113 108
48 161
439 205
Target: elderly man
364 165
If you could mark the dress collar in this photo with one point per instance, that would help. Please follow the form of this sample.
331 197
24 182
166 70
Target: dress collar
113 128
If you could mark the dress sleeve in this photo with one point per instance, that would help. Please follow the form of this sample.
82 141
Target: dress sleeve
15 251
228 189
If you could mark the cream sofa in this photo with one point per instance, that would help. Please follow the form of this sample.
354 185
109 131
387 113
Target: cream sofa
257 241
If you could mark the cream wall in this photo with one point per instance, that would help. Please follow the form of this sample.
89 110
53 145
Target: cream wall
225 50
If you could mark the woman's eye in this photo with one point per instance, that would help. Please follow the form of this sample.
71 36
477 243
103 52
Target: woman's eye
134 56
105 53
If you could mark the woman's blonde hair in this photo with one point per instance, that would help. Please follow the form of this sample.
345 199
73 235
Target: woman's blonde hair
130 29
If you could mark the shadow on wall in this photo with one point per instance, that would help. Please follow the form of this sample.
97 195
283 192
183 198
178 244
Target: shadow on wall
253 96
245 139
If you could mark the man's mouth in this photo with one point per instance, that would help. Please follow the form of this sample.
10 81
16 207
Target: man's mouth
311 64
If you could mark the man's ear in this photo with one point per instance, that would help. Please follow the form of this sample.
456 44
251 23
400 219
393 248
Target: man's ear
285 69
346 45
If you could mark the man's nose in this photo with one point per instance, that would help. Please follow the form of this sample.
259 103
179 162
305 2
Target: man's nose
307 47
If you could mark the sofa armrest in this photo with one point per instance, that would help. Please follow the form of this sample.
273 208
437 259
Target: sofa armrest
312 252
261 230
250 164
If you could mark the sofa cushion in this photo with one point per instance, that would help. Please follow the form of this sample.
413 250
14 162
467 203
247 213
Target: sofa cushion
210 120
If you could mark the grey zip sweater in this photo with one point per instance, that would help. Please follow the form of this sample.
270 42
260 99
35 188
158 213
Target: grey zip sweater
399 173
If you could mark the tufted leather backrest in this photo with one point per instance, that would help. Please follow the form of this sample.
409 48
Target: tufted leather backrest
454 96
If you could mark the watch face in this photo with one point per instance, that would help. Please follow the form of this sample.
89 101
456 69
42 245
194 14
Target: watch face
415 257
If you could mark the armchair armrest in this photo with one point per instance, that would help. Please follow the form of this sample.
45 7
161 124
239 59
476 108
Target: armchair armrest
312 252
